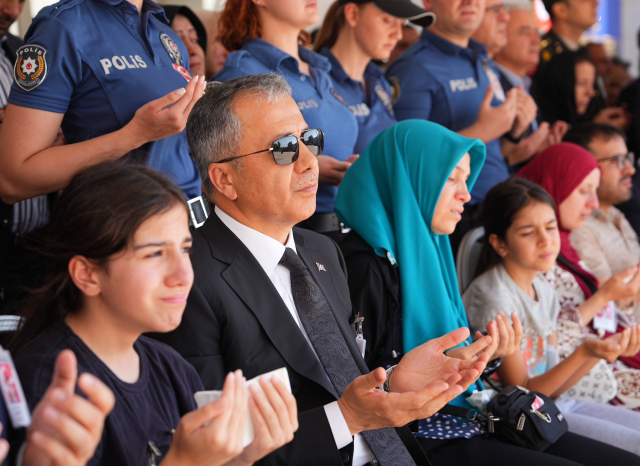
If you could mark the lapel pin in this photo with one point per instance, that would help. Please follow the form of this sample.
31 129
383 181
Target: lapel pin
320 267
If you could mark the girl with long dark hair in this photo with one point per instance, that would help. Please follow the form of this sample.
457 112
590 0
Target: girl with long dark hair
118 245
521 240
571 175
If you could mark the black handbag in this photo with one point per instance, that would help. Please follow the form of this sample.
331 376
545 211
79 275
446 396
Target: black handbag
519 417
525 418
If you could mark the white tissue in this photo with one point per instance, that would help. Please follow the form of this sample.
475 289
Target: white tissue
203 398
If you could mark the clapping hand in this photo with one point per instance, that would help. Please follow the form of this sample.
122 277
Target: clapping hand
614 116
167 115
275 418
622 285
66 428
505 337
496 121
428 363
212 435
526 112
633 347
608 349
423 382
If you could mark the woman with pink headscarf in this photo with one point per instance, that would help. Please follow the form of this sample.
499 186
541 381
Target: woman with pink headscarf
571 175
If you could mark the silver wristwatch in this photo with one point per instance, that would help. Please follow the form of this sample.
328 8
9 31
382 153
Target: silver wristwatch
385 385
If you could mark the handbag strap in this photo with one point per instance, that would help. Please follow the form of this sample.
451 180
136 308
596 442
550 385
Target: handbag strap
452 410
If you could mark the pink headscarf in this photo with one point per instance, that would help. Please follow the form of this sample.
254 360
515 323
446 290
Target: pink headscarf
560 169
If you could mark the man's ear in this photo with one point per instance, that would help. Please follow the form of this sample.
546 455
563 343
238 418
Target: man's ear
84 275
498 245
560 10
222 177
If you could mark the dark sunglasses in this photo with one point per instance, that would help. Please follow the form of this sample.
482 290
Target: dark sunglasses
286 150
621 160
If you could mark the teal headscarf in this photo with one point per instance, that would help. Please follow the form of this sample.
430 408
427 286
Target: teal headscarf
389 197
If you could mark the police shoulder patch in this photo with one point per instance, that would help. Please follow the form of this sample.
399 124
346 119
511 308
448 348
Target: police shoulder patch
30 69
395 88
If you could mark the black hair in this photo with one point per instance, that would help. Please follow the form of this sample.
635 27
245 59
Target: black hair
548 5
501 205
96 216
585 133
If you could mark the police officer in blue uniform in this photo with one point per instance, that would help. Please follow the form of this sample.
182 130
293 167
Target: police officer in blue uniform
308 74
354 33
442 78
114 75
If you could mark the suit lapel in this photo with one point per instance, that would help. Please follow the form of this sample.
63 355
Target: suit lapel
248 280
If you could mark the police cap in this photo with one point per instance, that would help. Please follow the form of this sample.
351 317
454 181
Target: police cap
403 9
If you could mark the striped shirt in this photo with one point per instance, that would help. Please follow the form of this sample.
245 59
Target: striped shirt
6 75
31 214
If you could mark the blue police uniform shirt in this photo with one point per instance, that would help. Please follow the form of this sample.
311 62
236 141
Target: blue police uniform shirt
439 81
373 110
103 62
319 102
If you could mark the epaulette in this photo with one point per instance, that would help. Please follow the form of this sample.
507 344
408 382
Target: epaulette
550 46
549 49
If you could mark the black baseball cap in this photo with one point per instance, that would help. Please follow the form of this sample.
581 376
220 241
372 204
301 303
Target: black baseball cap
403 9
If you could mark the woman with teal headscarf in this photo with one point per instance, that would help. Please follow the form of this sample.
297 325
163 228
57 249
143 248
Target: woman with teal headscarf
401 199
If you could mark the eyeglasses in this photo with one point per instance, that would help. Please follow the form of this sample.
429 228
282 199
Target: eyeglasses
500 8
621 160
286 150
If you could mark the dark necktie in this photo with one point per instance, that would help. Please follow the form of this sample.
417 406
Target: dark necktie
333 352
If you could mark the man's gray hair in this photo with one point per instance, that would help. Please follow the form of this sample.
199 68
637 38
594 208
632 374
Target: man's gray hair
214 130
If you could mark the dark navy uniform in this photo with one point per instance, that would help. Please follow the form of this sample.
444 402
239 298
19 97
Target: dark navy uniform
98 61
321 104
373 109
551 48
439 81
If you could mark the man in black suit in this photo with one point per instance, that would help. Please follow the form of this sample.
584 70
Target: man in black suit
267 295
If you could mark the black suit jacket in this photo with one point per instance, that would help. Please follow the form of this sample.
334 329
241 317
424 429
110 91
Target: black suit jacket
235 319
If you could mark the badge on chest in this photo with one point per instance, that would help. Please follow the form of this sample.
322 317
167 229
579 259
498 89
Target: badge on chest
172 48
384 98
174 54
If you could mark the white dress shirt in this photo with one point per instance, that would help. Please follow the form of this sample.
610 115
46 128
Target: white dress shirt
268 253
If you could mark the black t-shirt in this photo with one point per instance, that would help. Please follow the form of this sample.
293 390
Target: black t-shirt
144 411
